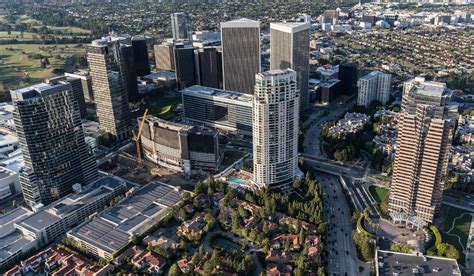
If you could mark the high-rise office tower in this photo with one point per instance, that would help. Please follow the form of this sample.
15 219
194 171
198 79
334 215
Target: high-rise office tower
140 55
164 56
77 91
210 67
348 77
185 67
86 84
374 86
109 81
128 58
289 48
181 25
275 119
49 130
425 133
240 54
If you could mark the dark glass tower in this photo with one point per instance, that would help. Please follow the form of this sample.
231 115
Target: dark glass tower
49 130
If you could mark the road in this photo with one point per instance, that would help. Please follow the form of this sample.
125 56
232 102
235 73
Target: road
312 126
341 250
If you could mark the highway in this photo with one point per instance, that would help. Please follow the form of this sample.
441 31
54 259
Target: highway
342 256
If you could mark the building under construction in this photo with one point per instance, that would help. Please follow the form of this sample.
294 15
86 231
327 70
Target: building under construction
181 147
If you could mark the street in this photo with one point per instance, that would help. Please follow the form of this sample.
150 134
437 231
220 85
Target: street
342 256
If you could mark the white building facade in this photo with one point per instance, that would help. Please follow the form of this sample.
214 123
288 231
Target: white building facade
275 129
374 86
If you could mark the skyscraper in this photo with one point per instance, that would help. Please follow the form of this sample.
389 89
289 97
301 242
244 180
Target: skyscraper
129 67
109 81
348 77
86 84
185 67
181 25
240 54
289 48
275 129
210 67
49 130
77 91
164 56
425 133
140 55
374 86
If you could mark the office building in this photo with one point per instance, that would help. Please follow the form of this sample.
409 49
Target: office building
240 54
289 48
181 147
140 55
425 131
24 232
129 66
9 183
181 26
86 84
164 56
328 91
113 229
52 142
390 263
185 66
210 67
225 110
374 86
77 91
348 77
275 129
109 81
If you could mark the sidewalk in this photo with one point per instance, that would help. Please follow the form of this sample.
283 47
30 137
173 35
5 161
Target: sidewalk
470 249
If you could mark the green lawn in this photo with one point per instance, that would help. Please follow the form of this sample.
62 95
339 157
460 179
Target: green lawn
461 228
379 193
162 106
15 63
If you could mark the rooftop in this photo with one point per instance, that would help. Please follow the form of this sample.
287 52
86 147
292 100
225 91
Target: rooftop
241 23
114 227
39 90
11 240
60 208
290 27
161 74
393 263
218 93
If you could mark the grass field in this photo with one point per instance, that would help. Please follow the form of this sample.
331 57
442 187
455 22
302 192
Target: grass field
15 63
379 193
162 107
39 24
459 234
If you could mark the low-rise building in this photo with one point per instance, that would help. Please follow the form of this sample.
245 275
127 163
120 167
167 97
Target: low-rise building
388 263
113 229
23 231
351 123
225 110
181 147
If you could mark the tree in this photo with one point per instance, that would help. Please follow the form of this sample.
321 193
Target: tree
174 270
400 247
301 236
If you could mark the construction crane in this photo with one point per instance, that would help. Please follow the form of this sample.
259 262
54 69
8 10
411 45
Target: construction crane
136 138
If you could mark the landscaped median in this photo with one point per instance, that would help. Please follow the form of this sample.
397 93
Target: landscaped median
363 239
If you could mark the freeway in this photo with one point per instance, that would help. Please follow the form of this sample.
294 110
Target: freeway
342 256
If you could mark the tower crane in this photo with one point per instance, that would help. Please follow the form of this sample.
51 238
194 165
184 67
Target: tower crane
136 138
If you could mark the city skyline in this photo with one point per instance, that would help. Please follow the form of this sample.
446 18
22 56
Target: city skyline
236 138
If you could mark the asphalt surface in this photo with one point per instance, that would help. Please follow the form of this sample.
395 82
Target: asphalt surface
342 256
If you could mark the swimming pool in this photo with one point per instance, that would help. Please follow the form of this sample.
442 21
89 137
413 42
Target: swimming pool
237 180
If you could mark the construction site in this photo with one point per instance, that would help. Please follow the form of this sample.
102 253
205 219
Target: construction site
137 161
